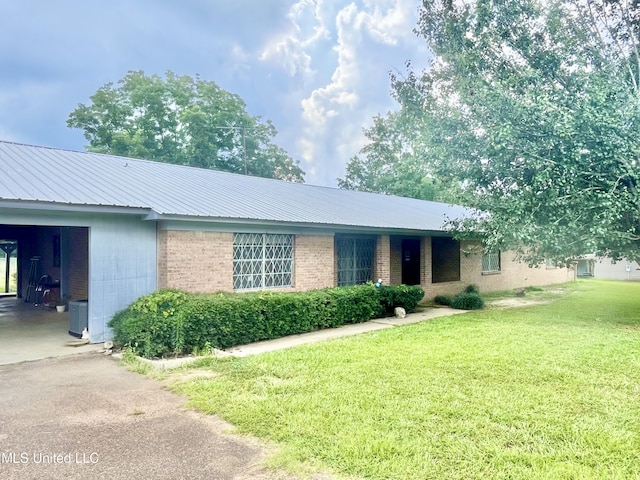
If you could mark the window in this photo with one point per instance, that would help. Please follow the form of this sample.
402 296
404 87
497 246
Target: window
262 260
445 260
355 259
491 262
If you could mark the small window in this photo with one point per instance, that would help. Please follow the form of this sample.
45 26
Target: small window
491 262
262 260
355 257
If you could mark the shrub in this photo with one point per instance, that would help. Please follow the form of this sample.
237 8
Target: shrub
405 296
442 300
163 302
151 325
472 289
172 322
467 301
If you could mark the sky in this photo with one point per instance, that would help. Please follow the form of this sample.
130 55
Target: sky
319 69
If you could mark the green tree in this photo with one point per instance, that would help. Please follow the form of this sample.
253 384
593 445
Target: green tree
181 120
534 108
394 163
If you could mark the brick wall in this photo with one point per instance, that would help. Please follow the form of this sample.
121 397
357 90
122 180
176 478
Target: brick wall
512 275
78 282
382 266
45 251
198 261
195 261
314 262
425 257
395 261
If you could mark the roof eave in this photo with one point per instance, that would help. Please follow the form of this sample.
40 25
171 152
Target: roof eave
37 205
230 223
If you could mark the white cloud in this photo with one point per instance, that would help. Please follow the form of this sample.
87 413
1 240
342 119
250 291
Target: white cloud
317 68
289 49
335 113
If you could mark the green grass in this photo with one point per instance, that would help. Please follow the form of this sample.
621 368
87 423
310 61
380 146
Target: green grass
12 276
544 392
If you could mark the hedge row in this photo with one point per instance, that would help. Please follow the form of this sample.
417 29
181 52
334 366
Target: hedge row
170 322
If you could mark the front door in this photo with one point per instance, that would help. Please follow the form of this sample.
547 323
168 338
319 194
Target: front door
411 262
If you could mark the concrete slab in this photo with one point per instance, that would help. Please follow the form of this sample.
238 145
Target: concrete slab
304 338
344 331
30 333
418 317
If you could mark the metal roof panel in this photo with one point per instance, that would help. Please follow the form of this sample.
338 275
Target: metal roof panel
82 178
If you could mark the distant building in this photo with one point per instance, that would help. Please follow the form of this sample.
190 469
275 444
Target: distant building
606 268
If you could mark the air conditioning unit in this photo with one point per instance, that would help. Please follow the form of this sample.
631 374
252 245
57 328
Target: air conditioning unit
78 317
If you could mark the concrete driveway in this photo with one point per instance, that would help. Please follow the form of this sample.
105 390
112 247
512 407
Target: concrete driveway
85 417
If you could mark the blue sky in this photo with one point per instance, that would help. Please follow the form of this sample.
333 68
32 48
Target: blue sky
319 69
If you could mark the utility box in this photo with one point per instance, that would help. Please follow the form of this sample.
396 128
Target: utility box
78 317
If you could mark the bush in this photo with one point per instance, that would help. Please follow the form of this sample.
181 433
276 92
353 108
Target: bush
171 322
472 289
467 301
405 296
151 324
442 300
225 320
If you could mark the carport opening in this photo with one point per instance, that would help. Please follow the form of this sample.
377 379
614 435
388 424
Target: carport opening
46 266
8 267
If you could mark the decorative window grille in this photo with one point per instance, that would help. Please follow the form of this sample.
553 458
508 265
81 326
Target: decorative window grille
491 262
355 259
262 260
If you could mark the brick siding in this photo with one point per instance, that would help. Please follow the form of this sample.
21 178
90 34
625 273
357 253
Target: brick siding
195 261
78 263
512 275
314 262
198 261
395 258
382 266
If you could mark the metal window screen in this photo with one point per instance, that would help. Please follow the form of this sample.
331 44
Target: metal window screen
491 262
355 260
262 261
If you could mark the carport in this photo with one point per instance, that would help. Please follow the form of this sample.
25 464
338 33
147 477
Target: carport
30 326
90 234
106 256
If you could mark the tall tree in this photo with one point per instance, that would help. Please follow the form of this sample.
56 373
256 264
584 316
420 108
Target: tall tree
180 120
534 107
394 162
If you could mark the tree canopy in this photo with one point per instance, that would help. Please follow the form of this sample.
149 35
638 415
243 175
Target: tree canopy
532 108
394 163
178 119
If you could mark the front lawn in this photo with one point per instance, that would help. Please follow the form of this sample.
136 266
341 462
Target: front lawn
550 391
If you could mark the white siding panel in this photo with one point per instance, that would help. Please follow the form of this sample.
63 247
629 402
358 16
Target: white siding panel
122 267
606 269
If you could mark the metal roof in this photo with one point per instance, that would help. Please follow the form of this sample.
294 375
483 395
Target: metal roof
69 178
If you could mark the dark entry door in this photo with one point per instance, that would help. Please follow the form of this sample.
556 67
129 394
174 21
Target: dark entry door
411 262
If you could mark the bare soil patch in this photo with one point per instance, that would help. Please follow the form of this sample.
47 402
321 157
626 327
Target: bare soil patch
518 302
